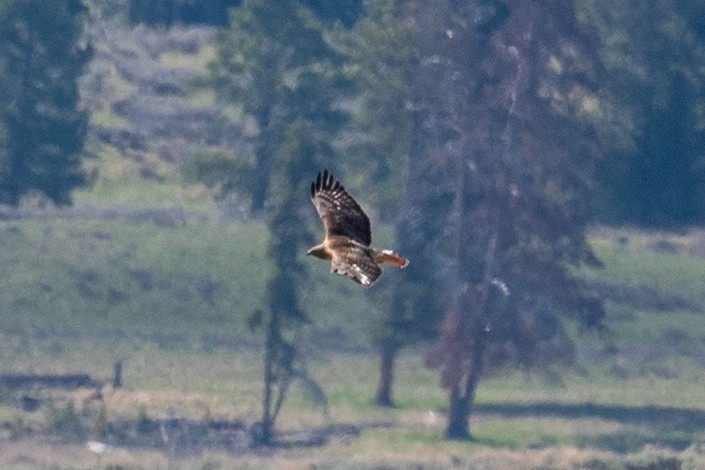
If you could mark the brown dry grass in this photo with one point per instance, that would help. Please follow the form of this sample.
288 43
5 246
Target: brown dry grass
37 454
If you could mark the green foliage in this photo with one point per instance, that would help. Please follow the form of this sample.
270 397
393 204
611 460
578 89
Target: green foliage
381 55
460 165
215 12
505 168
276 63
169 12
41 128
385 49
652 111
295 159
345 11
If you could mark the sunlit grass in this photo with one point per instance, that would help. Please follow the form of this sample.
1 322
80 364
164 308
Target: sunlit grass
119 181
202 97
107 117
113 275
199 60
179 278
677 273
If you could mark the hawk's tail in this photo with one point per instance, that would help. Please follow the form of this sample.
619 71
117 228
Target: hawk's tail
391 257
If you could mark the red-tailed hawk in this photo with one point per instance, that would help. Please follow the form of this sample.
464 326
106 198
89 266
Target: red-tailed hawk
348 234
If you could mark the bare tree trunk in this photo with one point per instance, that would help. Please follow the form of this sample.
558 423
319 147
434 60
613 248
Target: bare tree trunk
391 341
458 415
462 399
388 353
263 435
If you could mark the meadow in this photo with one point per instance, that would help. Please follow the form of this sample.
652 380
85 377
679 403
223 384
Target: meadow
169 300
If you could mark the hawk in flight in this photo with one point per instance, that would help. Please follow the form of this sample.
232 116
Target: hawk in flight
348 234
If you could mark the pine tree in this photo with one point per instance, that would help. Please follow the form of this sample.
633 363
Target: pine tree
295 160
276 63
501 86
652 54
42 130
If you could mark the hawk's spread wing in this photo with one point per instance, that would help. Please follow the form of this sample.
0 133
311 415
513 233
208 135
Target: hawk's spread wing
340 214
354 262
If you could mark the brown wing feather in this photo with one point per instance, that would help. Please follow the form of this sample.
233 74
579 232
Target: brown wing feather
354 261
340 213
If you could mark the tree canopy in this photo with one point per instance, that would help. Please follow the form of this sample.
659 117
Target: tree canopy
276 62
497 131
169 12
652 84
42 131
215 12
498 118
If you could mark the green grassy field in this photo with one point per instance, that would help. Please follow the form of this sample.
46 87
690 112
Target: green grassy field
82 278
170 302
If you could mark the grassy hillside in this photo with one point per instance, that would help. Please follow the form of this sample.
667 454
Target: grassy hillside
148 115
190 280
652 283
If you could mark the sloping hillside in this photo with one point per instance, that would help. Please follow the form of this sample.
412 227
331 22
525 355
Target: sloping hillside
149 114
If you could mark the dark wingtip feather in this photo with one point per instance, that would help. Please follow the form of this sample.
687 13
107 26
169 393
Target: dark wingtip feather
319 181
325 181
